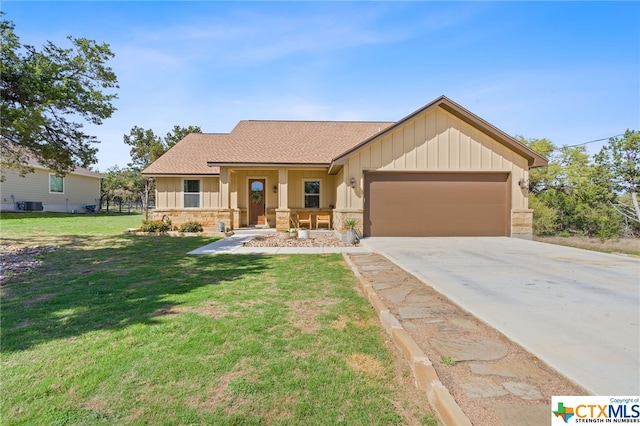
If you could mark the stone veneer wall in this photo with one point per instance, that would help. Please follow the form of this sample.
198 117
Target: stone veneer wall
209 218
282 219
339 217
522 223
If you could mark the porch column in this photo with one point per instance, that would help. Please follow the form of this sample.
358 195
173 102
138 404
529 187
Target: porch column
283 212
224 188
233 189
283 196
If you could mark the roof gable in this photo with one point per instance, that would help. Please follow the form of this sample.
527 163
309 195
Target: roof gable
534 159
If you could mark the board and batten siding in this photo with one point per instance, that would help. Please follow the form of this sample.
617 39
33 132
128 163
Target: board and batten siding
241 181
434 141
78 191
296 187
170 191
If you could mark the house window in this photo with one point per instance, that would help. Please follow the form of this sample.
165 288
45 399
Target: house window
56 184
311 194
192 193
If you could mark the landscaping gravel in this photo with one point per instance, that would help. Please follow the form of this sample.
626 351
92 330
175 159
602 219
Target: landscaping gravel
285 240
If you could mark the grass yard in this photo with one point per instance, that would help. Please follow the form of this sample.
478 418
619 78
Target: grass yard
628 246
120 329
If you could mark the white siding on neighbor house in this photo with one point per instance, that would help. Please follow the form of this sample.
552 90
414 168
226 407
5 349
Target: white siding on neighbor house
436 141
79 191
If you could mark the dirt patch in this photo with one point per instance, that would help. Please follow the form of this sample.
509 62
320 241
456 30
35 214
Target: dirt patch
17 259
340 323
217 395
363 363
303 314
39 298
208 310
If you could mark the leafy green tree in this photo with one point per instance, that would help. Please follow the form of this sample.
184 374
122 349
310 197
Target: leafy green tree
122 185
146 147
571 195
621 159
46 97
178 133
541 177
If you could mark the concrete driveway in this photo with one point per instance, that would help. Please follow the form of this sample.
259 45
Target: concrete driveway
577 310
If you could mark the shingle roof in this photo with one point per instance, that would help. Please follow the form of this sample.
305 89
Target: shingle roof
265 142
33 162
189 156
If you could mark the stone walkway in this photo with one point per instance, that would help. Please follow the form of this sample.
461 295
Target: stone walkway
492 380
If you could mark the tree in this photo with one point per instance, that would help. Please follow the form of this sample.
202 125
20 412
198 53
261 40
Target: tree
178 133
47 95
146 147
571 195
621 159
122 185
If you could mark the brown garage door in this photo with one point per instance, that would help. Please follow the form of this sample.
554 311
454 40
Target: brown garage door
436 204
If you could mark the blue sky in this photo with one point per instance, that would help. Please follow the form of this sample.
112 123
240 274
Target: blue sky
567 71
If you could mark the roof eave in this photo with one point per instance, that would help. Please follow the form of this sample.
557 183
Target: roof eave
269 165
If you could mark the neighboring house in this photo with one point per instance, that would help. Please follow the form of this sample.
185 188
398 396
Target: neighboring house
440 171
42 190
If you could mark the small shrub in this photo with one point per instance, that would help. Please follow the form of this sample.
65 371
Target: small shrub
163 225
191 227
447 360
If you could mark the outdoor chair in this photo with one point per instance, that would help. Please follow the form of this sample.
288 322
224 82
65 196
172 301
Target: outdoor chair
304 218
323 219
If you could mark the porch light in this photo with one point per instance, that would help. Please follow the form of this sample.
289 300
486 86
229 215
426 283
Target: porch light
353 182
275 189
523 184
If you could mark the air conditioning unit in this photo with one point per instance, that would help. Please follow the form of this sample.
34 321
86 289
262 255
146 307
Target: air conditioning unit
31 206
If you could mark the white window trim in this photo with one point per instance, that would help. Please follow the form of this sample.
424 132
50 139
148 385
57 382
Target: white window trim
304 180
49 183
200 193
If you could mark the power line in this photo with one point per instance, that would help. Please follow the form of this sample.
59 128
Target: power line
596 140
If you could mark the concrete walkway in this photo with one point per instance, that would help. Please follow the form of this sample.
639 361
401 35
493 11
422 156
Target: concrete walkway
235 245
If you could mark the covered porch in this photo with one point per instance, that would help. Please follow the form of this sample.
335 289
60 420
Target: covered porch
278 198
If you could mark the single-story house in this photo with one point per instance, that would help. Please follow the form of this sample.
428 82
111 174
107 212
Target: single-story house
440 171
43 190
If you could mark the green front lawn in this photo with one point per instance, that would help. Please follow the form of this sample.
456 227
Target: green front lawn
119 329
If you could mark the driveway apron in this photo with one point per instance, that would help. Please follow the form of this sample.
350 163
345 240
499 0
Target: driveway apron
577 310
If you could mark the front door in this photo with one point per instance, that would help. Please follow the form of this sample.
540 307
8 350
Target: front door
256 201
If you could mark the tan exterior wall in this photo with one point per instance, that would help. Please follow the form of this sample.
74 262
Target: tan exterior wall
79 191
432 141
296 187
170 195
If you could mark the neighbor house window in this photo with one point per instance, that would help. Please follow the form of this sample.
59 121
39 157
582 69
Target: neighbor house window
56 184
311 194
192 193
